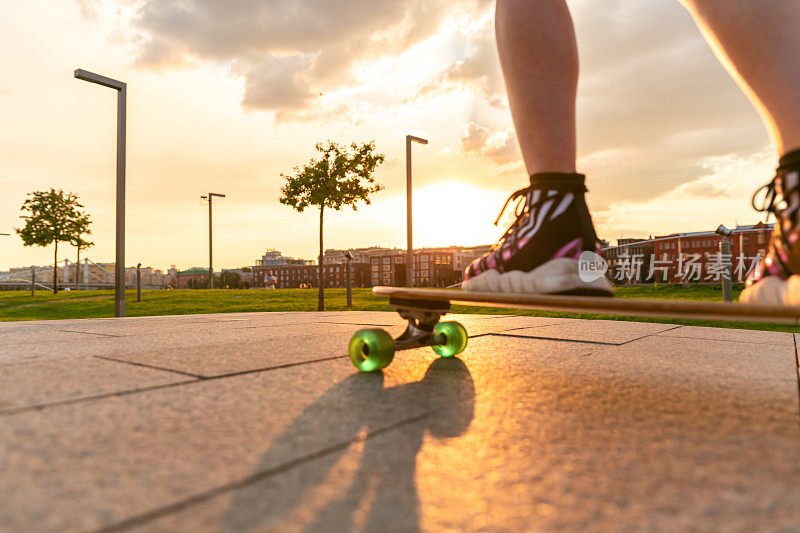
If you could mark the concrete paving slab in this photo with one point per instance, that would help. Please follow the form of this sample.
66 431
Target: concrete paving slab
525 434
138 452
732 335
599 331
565 444
35 383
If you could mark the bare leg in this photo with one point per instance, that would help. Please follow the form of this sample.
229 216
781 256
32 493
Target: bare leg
759 44
539 58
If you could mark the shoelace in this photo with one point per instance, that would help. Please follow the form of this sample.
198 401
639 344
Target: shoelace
768 203
774 203
522 209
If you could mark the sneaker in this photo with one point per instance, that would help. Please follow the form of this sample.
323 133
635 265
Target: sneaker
775 280
540 252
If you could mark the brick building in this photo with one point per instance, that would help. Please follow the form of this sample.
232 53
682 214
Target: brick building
199 275
292 276
433 267
692 257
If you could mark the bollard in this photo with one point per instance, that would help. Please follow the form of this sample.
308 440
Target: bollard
349 286
139 282
727 275
33 282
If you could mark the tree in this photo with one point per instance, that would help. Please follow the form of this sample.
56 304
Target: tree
80 243
341 177
228 279
53 216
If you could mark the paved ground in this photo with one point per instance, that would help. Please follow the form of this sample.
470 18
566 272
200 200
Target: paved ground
259 422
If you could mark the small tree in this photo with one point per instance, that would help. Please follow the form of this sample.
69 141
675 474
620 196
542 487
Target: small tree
53 216
341 177
80 244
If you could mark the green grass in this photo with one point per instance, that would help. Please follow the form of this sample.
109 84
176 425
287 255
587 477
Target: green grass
19 305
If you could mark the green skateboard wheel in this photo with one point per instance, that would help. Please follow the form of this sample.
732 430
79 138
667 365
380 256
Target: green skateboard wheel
456 338
371 349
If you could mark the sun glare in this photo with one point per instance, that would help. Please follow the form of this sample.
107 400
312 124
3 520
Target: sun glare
451 212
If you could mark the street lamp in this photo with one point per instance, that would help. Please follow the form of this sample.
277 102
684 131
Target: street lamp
725 257
410 244
119 266
349 257
210 197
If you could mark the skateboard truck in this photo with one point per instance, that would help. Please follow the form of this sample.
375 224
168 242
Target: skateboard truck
373 349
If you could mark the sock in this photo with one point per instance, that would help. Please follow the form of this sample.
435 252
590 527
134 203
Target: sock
560 181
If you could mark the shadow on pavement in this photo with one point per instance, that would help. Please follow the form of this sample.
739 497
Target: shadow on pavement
370 484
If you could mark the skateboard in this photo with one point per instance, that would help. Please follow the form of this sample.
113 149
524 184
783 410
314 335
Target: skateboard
373 349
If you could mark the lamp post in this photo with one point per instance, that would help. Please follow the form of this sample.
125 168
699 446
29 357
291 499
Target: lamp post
119 258
725 257
138 282
410 243
349 258
210 198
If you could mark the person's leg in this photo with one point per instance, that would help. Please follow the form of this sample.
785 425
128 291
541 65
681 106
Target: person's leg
539 58
759 44
541 251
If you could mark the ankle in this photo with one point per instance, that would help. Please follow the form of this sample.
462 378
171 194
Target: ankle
559 181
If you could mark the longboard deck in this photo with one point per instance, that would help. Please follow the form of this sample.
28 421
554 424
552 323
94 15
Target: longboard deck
600 305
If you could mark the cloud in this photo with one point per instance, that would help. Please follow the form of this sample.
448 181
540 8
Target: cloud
478 71
289 53
500 147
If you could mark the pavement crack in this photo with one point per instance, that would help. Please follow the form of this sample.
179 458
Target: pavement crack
71 401
601 343
93 333
195 379
201 497
649 335
152 367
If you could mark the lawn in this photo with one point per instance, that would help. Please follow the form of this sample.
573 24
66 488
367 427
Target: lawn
19 305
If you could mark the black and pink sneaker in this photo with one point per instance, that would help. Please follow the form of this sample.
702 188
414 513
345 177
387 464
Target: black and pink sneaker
541 251
775 281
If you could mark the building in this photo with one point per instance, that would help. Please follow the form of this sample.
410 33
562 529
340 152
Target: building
375 265
275 258
692 257
621 267
196 274
246 276
293 276
433 267
360 255
90 275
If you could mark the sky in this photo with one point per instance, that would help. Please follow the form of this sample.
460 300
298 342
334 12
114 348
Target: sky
224 96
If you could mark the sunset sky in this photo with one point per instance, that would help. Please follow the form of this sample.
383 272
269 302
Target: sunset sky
223 96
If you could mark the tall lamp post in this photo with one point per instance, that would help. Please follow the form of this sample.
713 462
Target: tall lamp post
409 242
210 197
119 258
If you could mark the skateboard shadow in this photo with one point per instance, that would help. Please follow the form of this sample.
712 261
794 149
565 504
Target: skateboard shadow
368 484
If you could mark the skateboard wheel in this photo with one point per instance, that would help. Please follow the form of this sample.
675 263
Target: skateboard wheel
456 337
371 349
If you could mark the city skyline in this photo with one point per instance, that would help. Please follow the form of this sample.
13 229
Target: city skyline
666 139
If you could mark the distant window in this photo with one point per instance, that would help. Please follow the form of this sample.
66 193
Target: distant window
385 260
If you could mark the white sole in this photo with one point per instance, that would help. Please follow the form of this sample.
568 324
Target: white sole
554 277
773 291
